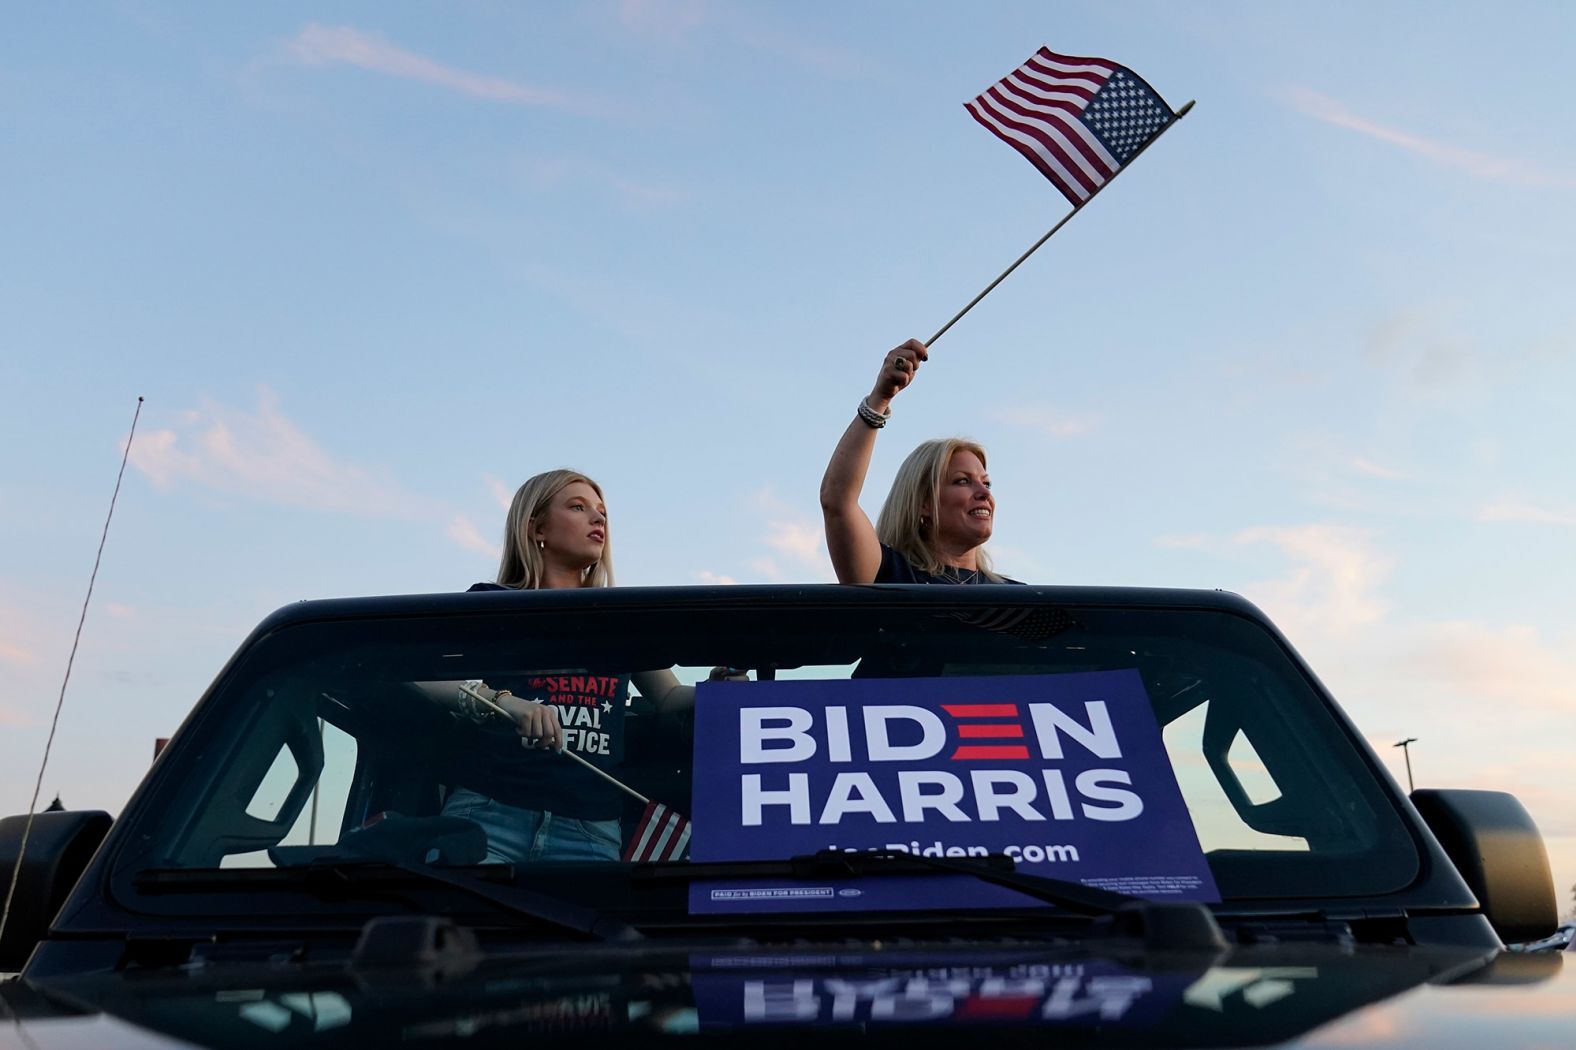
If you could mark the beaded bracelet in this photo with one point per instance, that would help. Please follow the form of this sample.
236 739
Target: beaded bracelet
873 419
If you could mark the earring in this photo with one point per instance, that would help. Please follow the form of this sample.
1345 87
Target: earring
541 545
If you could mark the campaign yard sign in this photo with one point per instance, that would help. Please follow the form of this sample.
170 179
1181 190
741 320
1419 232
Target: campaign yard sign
1066 774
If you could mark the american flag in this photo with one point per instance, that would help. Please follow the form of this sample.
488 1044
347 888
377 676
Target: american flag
663 834
1076 119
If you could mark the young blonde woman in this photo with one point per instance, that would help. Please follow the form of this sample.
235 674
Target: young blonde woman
939 514
533 804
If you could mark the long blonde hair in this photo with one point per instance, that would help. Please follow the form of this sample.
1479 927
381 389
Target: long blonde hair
904 523
522 564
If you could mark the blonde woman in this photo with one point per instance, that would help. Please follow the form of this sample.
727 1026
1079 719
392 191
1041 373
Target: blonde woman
940 512
533 804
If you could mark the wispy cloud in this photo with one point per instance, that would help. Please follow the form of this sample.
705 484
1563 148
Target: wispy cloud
792 534
20 635
264 456
321 45
1500 667
1415 344
1525 513
11 653
1048 421
1489 167
681 21
707 576
502 494
464 532
666 19
1331 584
1376 470
794 539
553 173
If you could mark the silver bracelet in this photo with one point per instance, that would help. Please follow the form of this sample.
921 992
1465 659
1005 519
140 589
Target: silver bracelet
873 419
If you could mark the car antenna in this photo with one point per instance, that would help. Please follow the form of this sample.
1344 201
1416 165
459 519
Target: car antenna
21 850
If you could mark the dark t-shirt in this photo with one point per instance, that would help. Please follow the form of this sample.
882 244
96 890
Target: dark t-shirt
591 706
895 568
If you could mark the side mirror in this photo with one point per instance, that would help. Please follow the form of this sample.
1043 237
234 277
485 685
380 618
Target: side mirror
1496 847
59 847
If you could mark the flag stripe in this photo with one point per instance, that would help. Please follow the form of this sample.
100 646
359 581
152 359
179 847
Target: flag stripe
1054 90
662 834
659 838
1051 105
1067 64
1076 140
1033 152
1058 130
1049 139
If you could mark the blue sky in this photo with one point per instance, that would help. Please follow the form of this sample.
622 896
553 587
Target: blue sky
373 264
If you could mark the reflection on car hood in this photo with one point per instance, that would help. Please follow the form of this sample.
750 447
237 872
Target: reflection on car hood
1302 995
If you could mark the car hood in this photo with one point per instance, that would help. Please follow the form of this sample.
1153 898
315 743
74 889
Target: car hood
1290 994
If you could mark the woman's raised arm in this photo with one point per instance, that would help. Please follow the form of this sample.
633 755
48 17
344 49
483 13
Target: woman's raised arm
850 537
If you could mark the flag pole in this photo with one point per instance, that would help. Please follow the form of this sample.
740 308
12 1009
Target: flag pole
610 778
1064 220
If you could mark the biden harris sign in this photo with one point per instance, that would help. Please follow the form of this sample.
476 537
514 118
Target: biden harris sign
1065 774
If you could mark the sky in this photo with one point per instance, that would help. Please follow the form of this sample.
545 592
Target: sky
371 265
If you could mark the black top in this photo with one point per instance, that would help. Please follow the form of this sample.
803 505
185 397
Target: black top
896 568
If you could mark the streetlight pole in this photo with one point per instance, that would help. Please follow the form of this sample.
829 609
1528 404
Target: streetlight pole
1408 753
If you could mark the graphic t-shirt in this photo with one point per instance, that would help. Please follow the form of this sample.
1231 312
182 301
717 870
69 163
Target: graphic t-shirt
591 706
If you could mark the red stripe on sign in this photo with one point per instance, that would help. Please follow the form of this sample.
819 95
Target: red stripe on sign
991 731
981 710
981 1007
969 752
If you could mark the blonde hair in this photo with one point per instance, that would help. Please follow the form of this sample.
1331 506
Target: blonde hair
522 563
914 502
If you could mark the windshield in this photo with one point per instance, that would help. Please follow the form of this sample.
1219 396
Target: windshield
1049 733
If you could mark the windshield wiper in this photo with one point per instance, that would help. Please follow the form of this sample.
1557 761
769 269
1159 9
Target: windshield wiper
995 868
339 875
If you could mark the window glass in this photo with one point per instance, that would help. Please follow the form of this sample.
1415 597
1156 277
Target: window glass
364 738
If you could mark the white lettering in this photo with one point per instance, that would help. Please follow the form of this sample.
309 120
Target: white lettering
796 797
1091 784
1056 794
1099 738
879 744
780 1001
855 793
755 732
998 789
838 748
910 783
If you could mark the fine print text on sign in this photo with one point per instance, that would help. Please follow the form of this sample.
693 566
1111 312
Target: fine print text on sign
1066 774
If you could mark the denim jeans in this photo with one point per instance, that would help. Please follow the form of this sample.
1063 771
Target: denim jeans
524 836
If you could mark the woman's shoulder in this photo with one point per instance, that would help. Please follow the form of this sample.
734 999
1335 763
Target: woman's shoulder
896 568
